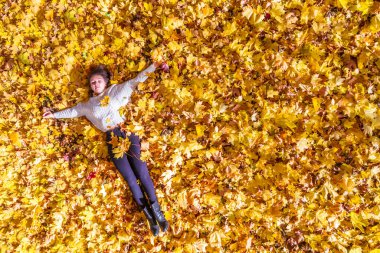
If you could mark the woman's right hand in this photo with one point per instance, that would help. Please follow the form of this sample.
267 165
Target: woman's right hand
48 114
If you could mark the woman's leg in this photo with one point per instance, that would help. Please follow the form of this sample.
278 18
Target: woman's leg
123 166
140 167
141 170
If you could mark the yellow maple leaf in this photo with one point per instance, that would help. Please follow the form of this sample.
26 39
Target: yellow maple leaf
362 59
303 144
229 29
148 6
357 221
133 49
15 138
255 16
212 199
322 217
174 46
344 3
118 43
247 12
316 103
216 238
204 10
172 23
49 14
365 6
105 101
114 141
118 152
153 37
200 130
89 131
375 24
141 65
120 146
356 249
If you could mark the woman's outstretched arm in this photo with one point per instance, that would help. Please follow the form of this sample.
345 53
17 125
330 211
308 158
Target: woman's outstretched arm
141 77
122 92
73 112
125 89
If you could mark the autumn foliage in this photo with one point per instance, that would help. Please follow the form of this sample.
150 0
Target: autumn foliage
263 136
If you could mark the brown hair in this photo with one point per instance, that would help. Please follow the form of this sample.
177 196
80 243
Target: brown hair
101 70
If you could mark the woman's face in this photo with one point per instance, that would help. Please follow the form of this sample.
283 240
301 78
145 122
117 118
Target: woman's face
98 84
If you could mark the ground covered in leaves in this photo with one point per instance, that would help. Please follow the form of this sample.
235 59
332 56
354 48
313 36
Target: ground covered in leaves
263 136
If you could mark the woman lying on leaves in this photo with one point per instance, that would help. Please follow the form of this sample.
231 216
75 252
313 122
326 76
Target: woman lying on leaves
107 118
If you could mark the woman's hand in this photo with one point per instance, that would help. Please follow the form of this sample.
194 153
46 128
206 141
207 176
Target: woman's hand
48 114
162 65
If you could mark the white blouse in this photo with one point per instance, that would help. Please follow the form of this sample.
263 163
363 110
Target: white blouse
106 116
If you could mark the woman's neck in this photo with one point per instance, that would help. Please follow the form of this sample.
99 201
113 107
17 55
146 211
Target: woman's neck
99 94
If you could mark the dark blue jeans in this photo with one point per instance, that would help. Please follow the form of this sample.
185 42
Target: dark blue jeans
132 168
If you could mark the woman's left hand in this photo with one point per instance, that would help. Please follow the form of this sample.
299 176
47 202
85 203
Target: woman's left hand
162 65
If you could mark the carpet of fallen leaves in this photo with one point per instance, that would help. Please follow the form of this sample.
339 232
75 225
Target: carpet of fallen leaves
263 136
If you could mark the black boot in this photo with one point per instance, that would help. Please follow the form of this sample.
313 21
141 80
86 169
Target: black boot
164 224
152 222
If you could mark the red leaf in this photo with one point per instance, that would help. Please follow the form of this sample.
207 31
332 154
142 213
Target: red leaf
91 175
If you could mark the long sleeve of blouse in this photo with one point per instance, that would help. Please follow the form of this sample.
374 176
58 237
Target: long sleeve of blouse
122 92
72 112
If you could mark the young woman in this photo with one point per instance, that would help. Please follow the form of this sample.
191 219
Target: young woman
107 118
